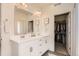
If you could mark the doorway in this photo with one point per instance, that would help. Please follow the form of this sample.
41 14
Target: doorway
61 31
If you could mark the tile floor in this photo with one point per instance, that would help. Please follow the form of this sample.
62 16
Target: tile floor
60 50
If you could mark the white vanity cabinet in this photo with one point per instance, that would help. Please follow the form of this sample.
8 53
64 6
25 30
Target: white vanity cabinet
25 48
33 47
28 48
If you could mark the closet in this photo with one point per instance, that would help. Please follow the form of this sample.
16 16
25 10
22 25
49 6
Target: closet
61 30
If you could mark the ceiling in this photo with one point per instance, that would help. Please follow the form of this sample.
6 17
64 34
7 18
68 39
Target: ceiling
40 5
34 7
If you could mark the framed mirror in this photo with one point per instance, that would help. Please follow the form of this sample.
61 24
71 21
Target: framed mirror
21 27
23 24
20 22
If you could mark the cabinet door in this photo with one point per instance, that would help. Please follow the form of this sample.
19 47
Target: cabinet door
34 48
29 49
24 49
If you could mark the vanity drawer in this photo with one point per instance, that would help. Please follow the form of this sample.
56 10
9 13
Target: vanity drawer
43 47
44 41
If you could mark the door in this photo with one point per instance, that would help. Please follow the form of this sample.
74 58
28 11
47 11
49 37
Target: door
68 40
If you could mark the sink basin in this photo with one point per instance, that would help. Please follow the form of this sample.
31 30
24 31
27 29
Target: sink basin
33 35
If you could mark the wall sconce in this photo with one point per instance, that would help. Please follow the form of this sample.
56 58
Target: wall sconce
25 5
21 5
46 20
6 24
37 13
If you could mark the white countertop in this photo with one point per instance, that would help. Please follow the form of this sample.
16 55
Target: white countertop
24 38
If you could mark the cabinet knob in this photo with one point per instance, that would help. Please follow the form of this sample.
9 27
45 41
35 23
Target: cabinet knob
31 49
40 39
40 52
40 44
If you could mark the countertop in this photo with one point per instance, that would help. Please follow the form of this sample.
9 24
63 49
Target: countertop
24 38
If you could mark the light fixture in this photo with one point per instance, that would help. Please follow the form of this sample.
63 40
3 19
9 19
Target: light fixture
37 13
57 4
21 5
24 4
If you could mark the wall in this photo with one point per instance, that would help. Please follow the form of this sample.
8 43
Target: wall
60 18
7 16
77 28
60 9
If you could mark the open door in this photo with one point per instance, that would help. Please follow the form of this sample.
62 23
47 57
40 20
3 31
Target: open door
68 46
63 34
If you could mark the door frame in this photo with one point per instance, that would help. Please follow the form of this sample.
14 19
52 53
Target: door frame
66 29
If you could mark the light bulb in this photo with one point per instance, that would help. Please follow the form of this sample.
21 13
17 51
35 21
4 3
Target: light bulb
24 4
37 13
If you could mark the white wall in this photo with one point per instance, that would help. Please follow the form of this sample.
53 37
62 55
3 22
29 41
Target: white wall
77 28
7 12
60 18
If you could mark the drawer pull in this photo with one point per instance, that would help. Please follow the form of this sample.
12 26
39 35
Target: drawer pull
40 52
31 49
46 41
40 44
40 39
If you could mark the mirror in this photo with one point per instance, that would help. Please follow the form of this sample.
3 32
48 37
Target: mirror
21 27
22 22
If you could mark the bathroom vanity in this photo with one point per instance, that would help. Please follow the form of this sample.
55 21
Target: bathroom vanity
34 46
29 39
